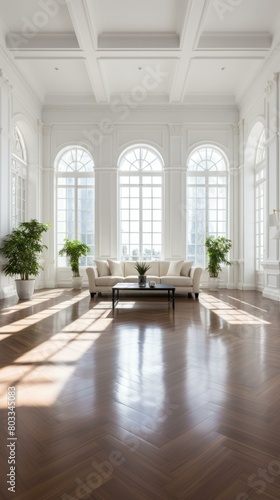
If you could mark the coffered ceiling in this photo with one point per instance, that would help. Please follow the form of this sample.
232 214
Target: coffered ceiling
158 51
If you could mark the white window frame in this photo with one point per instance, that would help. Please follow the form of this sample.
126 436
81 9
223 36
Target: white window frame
206 220
75 175
18 179
140 173
259 193
259 214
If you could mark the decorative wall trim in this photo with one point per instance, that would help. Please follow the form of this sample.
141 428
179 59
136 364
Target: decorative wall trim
4 82
176 129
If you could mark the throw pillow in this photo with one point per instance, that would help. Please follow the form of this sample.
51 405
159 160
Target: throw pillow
175 267
102 267
115 267
186 268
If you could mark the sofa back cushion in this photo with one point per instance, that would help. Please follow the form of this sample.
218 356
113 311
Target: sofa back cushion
154 269
129 269
163 267
175 267
102 267
186 268
116 268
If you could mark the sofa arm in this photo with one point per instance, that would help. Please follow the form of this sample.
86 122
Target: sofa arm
196 274
92 275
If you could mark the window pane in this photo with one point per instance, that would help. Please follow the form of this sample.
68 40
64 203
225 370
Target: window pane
147 226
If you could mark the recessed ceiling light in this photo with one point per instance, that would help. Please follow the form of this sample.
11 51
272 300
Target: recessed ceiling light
223 68
139 67
56 69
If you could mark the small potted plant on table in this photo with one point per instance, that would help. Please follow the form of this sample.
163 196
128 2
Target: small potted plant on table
74 249
142 268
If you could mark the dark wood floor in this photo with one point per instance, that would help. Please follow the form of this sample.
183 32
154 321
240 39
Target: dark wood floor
145 403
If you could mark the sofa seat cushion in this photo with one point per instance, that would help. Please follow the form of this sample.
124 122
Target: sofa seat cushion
155 278
134 279
108 280
131 279
176 280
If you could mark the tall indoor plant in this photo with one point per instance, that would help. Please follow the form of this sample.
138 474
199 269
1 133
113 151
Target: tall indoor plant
142 268
217 251
74 250
23 249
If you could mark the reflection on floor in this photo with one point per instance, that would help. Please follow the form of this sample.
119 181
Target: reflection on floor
143 402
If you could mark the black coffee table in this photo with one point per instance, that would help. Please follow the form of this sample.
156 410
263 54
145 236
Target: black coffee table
129 287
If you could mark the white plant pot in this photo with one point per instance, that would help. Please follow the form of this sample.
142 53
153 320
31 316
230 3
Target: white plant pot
77 282
213 284
25 288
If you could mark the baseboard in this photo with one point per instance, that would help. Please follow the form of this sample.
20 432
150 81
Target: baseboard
8 291
269 293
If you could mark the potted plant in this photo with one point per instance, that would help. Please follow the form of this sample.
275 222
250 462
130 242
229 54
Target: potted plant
217 250
142 268
74 249
23 248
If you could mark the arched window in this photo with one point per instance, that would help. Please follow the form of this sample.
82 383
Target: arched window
140 180
18 173
75 201
255 170
206 199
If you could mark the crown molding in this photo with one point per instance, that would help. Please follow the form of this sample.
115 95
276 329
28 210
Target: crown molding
5 54
59 102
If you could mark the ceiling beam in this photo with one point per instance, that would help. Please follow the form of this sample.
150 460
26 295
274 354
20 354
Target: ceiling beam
86 35
139 41
27 55
232 41
194 16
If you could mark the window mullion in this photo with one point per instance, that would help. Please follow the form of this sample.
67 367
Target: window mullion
76 214
141 217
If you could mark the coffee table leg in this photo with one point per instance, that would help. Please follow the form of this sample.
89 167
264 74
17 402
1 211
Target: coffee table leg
113 298
168 298
173 298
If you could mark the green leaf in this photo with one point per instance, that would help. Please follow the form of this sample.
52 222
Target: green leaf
23 248
74 249
142 268
217 250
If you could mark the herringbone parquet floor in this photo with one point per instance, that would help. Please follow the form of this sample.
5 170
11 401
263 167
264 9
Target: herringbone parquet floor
145 403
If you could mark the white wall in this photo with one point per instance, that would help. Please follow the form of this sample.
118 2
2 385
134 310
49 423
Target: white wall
173 131
261 104
18 105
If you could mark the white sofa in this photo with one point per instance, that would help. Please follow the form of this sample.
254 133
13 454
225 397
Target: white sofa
105 274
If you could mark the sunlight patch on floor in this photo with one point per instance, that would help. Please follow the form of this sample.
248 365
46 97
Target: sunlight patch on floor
41 373
247 304
19 325
229 313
